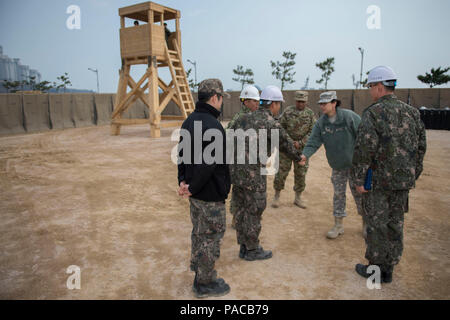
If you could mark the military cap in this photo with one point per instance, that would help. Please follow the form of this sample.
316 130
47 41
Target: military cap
301 96
211 86
329 96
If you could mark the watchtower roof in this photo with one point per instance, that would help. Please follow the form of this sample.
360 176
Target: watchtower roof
140 12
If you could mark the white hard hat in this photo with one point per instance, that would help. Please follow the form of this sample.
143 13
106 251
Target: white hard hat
382 74
250 92
272 93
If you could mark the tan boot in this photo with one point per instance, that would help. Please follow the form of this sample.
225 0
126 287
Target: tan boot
276 199
337 229
298 201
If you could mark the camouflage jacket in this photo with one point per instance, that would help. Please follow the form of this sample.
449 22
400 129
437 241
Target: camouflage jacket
232 123
248 175
298 124
391 140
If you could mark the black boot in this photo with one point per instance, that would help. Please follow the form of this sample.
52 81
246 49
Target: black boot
362 270
386 274
215 288
257 254
242 251
219 280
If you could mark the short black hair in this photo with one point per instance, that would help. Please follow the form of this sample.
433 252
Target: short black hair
338 102
205 96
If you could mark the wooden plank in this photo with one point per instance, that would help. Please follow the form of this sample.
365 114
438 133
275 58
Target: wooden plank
158 40
174 77
172 118
166 87
125 122
154 95
129 95
169 124
166 99
137 8
122 89
184 80
178 32
135 41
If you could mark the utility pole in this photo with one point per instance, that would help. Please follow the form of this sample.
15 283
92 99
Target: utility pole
362 59
96 71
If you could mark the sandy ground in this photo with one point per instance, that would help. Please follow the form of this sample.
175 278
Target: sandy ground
109 205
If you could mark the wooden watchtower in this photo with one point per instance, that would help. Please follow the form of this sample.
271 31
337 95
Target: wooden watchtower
146 43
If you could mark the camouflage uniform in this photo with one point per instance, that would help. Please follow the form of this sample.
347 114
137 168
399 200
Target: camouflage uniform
339 180
391 140
247 180
244 110
298 124
209 185
232 125
208 220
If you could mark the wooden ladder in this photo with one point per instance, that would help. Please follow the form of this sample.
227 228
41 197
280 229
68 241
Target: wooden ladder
180 80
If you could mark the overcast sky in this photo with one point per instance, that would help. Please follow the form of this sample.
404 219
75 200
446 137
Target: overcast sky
219 35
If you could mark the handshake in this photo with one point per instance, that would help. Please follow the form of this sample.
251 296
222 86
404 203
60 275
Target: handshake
302 162
183 190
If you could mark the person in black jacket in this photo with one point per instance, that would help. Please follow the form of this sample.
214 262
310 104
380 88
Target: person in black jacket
204 177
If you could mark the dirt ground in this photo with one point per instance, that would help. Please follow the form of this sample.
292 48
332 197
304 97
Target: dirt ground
109 205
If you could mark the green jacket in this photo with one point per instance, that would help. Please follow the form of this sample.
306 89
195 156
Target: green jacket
338 138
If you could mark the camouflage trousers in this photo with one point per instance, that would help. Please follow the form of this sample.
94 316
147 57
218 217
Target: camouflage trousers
283 171
233 206
384 217
339 179
208 221
250 206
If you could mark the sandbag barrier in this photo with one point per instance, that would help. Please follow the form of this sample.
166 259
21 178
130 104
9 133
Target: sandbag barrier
28 113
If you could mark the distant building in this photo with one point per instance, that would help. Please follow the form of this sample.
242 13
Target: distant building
12 70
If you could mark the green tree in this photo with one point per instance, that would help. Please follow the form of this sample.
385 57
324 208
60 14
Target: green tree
243 76
283 70
44 86
65 82
11 85
327 68
435 78
364 82
191 81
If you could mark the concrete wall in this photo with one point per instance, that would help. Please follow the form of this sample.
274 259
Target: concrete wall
20 113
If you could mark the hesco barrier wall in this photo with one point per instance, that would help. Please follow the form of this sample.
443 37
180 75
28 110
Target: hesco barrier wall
21 113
